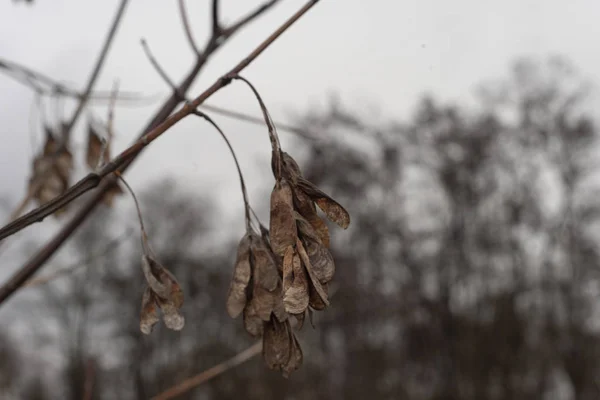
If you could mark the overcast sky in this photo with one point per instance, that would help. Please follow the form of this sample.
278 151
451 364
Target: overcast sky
377 54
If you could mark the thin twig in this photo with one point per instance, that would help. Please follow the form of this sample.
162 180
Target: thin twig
93 179
187 28
260 121
36 186
160 119
190 383
156 66
99 63
273 136
237 164
228 113
233 28
216 26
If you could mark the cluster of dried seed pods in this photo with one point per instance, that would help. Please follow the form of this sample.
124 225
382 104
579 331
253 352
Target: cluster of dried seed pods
162 292
285 272
51 171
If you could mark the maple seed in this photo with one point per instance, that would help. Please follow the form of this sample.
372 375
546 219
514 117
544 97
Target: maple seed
236 298
282 223
334 211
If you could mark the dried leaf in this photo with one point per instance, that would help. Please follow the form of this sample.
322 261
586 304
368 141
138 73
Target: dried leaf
149 314
296 358
236 296
334 211
315 282
282 223
277 346
252 323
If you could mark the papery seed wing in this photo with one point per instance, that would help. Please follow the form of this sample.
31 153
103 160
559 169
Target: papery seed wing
236 296
315 300
296 358
321 261
300 320
276 344
295 298
150 267
288 268
306 207
252 323
334 211
282 224
263 302
94 148
265 269
278 306
315 282
171 315
149 313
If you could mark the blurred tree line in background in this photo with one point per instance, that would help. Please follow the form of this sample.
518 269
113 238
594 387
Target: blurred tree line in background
470 270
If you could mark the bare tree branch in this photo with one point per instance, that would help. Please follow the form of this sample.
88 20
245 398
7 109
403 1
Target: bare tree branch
34 189
190 383
216 25
155 128
36 80
187 28
227 32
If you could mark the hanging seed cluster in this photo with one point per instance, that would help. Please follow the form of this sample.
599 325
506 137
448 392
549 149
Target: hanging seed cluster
284 274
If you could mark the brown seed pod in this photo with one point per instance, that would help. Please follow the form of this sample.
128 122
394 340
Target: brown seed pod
315 282
149 314
296 357
252 322
306 207
295 298
300 319
321 261
288 268
165 291
94 148
265 269
236 296
282 223
277 344
315 300
334 211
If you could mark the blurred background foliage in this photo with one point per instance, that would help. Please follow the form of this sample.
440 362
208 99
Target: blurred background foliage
470 269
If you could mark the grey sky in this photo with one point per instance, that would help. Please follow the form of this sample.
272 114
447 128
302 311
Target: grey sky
378 53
